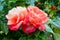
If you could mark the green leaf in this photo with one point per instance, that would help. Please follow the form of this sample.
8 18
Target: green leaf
51 2
4 4
22 38
14 1
47 10
52 12
37 33
57 14
1 7
1 0
1 32
31 2
48 29
56 22
47 4
56 30
36 0
56 36
4 27
58 7
5 38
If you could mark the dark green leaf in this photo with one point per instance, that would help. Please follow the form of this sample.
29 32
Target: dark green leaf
58 7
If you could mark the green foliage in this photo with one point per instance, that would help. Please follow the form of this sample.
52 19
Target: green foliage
57 36
48 29
51 7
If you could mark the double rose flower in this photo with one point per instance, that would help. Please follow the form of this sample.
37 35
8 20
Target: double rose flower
30 19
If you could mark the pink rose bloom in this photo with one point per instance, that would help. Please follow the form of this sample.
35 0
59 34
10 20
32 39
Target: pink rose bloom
30 18
16 17
37 16
36 19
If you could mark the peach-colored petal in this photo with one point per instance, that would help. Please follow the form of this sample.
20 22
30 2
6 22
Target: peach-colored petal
15 16
16 26
13 20
36 15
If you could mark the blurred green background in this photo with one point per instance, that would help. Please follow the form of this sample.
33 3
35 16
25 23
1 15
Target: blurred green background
51 7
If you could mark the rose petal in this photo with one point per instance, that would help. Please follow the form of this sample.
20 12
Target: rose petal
12 20
15 27
15 17
36 15
28 29
42 27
